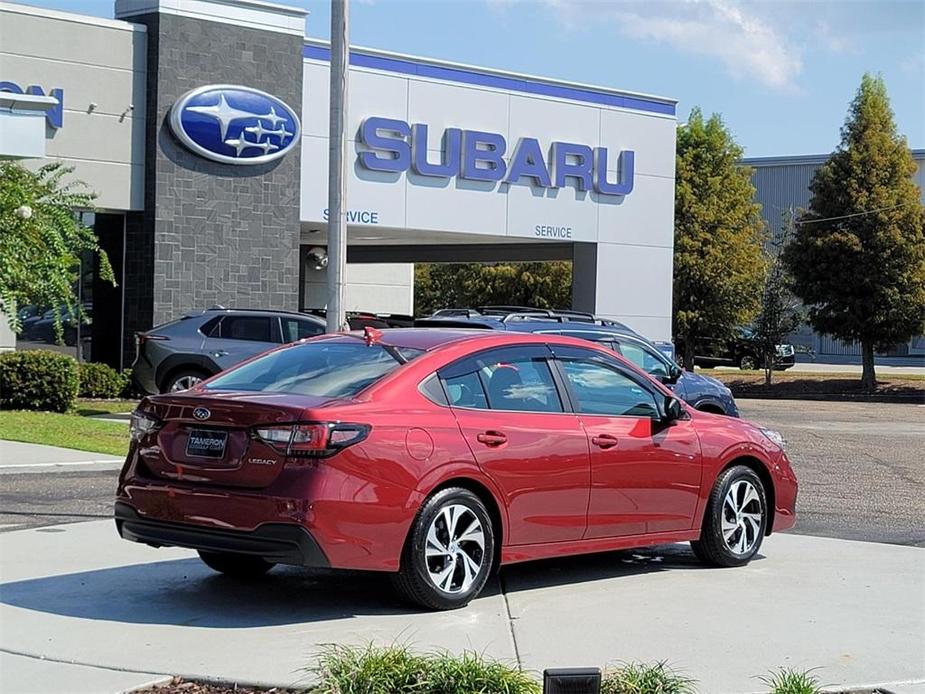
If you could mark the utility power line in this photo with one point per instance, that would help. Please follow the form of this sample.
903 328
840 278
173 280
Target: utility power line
856 214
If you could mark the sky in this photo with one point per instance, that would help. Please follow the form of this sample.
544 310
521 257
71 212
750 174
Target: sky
780 72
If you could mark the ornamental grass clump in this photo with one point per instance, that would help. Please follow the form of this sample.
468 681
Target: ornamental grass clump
789 681
398 670
645 678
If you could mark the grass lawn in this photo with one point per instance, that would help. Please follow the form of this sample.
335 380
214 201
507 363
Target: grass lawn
823 386
70 430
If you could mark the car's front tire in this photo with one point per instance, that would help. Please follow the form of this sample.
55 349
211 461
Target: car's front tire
735 521
236 565
449 552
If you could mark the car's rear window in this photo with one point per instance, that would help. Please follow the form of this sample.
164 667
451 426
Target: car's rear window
325 368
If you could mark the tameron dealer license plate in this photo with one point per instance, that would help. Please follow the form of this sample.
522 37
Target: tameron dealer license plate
203 443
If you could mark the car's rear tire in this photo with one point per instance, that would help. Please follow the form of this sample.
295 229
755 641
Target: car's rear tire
236 565
748 362
449 552
181 380
735 521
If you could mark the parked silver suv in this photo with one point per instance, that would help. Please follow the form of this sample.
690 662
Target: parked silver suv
177 355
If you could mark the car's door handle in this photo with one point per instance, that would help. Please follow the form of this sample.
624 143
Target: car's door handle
220 353
605 441
492 438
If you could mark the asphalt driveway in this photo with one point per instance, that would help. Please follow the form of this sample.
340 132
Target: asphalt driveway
861 466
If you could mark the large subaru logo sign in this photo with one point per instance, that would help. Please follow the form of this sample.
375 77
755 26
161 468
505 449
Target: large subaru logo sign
234 124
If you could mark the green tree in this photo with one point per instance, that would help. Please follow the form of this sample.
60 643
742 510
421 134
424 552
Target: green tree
461 285
42 239
858 254
781 311
719 266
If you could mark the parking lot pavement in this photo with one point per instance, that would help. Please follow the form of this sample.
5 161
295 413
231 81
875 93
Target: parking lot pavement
861 466
26 674
77 593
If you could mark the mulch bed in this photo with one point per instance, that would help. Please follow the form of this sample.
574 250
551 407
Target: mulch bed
821 387
178 685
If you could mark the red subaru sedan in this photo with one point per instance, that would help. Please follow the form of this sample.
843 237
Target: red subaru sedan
439 454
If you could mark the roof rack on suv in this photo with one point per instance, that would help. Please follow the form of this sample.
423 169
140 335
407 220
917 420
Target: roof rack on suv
506 314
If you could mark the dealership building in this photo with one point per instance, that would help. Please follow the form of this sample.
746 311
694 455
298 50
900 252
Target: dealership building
202 126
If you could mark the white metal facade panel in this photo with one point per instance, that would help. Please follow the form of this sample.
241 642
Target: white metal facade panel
100 66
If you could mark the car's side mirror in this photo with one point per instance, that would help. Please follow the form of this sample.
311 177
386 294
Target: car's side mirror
672 409
670 377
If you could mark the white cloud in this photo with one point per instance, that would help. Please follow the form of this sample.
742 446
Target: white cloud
747 44
830 40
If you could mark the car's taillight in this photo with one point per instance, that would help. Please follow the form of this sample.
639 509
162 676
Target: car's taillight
313 440
141 338
141 424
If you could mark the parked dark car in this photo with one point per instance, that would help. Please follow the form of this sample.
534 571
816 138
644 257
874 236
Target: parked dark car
702 392
41 326
741 350
439 455
179 354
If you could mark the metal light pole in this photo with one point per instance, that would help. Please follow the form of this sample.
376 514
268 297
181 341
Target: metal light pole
337 180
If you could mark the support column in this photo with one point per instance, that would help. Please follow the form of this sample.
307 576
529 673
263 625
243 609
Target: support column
216 232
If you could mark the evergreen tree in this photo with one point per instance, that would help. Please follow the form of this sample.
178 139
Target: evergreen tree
858 254
719 265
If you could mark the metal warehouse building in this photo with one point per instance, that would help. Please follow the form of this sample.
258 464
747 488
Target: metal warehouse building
782 184
203 125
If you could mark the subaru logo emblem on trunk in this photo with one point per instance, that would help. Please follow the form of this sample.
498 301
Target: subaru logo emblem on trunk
233 124
201 413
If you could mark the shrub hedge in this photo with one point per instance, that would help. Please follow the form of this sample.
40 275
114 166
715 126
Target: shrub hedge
100 381
38 380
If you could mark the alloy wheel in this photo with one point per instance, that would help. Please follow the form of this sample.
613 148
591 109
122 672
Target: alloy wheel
184 383
455 549
748 363
742 517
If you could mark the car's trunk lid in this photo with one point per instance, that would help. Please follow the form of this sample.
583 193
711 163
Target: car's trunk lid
211 438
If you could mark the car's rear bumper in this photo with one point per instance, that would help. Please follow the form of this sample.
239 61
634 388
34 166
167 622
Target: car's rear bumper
143 375
280 543
785 362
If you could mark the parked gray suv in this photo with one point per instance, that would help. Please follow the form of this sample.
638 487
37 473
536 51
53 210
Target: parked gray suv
177 355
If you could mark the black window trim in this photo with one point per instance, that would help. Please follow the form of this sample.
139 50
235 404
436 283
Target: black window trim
657 395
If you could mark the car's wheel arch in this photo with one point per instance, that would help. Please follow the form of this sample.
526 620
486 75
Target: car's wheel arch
709 405
183 362
483 488
760 468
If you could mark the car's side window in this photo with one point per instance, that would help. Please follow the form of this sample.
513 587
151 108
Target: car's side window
599 388
511 379
466 390
256 328
643 358
211 327
297 329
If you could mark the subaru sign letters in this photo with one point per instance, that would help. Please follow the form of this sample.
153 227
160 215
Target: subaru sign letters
479 156
234 124
54 116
